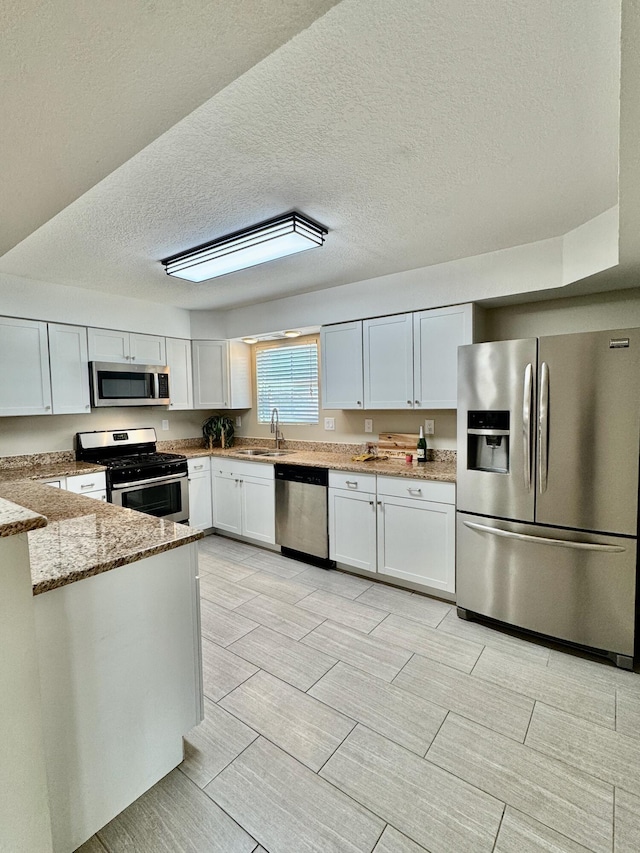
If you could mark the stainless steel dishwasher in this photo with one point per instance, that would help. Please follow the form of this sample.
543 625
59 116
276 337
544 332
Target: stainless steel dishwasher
302 528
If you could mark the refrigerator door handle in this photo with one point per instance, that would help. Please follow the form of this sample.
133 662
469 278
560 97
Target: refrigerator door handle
526 424
543 428
541 540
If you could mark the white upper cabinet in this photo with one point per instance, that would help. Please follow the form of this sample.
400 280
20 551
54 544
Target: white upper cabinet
25 385
125 347
388 362
221 375
342 368
180 373
437 334
69 370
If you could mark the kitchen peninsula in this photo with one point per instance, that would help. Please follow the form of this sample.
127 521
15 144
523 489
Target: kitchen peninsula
101 657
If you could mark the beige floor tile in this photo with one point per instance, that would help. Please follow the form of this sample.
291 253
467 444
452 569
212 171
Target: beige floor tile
403 718
341 583
429 642
494 638
594 670
290 591
275 564
429 805
342 610
287 619
628 712
392 841
93 845
596 750
289 808
501 710
283 657
222 671
224 546
579 697
522 834
175 815
360 650
559 796
627 823
420 608
209 747
223 626
301 725
228 570
224 593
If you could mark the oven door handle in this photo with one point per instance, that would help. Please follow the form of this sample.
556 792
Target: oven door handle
154 480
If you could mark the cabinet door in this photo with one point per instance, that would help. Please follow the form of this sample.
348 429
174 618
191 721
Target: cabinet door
147 349
388 362
227 507
416 541
108 345
200 513
342 366
352 528
69 357
258 509
239 375
25 385
210 374
437 335
180 374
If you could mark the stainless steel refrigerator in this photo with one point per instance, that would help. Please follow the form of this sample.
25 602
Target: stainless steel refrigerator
547 486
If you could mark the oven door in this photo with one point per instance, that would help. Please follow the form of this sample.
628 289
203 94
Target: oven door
166 498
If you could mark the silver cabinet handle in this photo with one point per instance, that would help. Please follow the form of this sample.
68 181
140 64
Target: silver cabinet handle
87 486
408 402
417 402
526 424
379 503
543 428
372 503
359 402
198 467
541 540
419 491
133 358
353 483
46 408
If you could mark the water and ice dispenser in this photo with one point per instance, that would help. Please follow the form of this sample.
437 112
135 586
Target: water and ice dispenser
488 441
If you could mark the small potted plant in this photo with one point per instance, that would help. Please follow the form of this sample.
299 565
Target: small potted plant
218 431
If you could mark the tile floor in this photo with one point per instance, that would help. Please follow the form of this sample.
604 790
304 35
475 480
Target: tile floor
343 716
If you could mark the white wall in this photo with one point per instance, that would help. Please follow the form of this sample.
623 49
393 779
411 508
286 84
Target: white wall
37 300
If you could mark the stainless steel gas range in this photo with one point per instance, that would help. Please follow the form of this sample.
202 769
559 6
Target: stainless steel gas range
138 477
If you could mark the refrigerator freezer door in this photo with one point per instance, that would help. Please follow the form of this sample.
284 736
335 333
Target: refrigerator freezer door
589 431
573 586
498 377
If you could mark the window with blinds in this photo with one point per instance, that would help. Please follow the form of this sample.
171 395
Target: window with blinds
287 378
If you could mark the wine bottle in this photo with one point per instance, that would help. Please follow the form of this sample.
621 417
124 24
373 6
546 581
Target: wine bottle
422 447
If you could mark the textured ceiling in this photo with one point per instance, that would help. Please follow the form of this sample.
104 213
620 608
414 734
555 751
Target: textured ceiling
417 132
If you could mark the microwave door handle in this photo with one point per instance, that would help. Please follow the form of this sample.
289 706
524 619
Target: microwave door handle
543 428
156 386
526 424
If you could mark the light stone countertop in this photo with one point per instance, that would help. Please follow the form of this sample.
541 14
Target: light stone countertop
83 536
16 519
50 471
440 471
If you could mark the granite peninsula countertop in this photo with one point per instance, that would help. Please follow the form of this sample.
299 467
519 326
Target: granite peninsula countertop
443 470
82 536
46 471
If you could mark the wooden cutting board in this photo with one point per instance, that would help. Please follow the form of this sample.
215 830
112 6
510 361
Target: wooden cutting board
397 443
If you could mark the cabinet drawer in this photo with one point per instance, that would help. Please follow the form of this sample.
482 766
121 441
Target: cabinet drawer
199 464
352 482
239 467
87 483
426 490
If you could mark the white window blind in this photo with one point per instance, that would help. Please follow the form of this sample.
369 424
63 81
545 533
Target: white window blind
287 378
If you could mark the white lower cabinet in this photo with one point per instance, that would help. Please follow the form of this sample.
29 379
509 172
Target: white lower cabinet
90 485
244 499
398 526
200 511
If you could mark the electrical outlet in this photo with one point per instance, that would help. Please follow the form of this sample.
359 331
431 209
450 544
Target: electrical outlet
329 423
368 424
165 424
238 420
429 427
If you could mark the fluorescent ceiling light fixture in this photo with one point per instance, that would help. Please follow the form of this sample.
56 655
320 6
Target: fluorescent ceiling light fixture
276 238
292 333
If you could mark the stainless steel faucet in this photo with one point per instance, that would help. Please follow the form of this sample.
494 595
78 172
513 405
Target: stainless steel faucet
275 428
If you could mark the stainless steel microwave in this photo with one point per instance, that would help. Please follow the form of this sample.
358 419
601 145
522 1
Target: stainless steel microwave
114 384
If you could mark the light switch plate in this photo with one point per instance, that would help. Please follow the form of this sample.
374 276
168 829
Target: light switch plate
238 420
165 424
429 427
368 424
329 423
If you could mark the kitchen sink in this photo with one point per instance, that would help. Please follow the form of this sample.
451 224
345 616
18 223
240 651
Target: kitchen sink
252 452
278 452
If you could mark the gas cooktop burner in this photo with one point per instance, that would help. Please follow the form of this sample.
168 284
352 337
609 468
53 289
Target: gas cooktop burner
142 459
